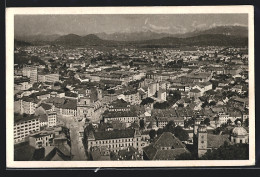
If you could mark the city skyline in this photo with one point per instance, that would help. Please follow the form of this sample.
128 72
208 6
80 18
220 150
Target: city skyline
93 24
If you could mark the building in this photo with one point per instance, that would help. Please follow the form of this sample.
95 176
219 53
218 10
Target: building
152 88
48 78
161 94
132 97
41 140
24 126
239 134
30 72
114 140
165 147
123 116
119 105
52 119
89 109
164 116
28 105
203 141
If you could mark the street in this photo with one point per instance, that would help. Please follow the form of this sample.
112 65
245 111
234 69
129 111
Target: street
77 148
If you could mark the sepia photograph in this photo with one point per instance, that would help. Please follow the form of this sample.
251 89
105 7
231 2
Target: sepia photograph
130 87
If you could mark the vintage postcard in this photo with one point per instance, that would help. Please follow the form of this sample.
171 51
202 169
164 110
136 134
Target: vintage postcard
130 87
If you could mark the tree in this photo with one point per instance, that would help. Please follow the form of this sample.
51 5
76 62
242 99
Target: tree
228 152
147 101
212 103
113 156
186 156
180 105
169 127
246 122
159 131
207 121
163 105
229 122
181 134
111 91
142 123
188 123
152 134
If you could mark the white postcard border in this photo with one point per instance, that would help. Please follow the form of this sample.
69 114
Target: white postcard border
10 12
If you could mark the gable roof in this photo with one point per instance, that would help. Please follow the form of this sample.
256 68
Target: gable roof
215 141
155 152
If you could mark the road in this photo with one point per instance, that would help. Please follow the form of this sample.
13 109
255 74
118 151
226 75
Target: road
77 148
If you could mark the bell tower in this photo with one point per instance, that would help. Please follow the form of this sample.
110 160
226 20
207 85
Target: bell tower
202 140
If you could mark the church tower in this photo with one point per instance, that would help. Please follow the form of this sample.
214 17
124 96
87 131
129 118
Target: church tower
202 140
196 126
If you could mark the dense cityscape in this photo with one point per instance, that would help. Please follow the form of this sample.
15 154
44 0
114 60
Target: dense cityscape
99 100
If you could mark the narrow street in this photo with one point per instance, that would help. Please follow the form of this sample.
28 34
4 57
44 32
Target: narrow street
77 148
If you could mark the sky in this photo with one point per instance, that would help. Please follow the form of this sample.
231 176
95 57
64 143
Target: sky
91 24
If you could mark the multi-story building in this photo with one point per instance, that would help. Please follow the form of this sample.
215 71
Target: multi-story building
41 140
115 140
30 72
123 116
24 126
28 105
132 97
52 119
48 77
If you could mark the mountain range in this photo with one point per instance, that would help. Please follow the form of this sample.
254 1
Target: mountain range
221 35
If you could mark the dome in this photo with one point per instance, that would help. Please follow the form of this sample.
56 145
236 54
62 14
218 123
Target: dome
239 131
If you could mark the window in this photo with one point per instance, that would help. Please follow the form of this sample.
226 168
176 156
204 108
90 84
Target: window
202 142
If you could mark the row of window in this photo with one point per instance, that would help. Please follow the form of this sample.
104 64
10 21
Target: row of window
113 141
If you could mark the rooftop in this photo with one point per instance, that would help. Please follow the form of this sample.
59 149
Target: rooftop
114 134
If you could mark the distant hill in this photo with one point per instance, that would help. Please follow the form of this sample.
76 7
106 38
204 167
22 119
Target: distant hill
91 39
135 36
221 35
225 30
18 43
149 35
200 40
38 38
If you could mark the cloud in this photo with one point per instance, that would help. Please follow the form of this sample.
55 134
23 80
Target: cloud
146 20
159 27
198 26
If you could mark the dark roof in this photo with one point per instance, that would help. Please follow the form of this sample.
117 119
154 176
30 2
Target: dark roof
24 152
167 139
195 90
18 118
112 114
169 154
46 106
115 134
30 99
215 141
43 118
119 103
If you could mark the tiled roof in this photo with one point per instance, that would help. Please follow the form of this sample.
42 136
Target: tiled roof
195 90
115 134
155 152
170 154
167 139
164 112
19 118
215 141
46 106
113 114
